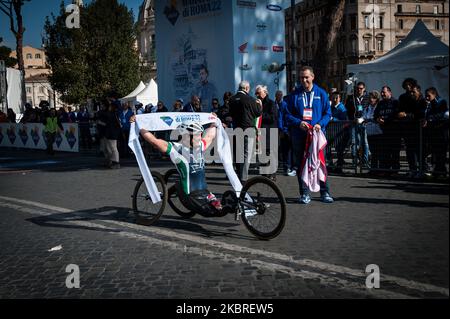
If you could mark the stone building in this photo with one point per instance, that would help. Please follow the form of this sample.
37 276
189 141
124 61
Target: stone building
146 36
37 85
370 29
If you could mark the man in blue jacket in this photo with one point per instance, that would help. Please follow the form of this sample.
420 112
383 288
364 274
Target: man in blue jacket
308 104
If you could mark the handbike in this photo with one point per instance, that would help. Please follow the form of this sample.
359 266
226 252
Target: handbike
261 204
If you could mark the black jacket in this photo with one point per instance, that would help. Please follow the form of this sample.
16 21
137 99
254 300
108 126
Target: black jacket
112 130
244 110
387 109
351 105
270 113
414 109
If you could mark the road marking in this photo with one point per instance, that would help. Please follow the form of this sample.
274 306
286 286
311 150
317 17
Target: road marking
328 268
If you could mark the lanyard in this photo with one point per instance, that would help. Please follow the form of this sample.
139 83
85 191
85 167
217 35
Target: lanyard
360 99
305 99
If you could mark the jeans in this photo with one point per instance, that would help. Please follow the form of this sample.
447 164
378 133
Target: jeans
360 143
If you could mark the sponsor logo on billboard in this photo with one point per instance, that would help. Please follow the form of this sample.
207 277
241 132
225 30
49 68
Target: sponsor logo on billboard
243 48
274 7
246 4
261 26
260 48
278 48
245 67
172 13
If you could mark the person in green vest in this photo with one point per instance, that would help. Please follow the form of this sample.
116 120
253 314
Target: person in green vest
52 123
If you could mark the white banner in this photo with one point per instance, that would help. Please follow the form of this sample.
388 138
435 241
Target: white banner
171 121
32 135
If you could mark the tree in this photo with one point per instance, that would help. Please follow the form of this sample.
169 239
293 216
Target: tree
328 30
5 53
97 59
13 10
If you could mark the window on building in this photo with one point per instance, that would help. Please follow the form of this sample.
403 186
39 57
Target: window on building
380 22
312 34
29 56
436 9
400 24
306 35
367 22
343 25
399 8
366 45
28 89
353 44
41 89
353 22
418 8
437 24
37 56
380 44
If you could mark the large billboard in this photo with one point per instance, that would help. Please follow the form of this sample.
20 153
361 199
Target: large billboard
206 47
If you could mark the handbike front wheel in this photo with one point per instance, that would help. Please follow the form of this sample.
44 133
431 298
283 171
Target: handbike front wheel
263 208
172 179
146 212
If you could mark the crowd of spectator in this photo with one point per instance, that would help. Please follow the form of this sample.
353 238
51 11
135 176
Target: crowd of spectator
372 125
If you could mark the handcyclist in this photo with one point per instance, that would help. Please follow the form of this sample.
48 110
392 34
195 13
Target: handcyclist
189 159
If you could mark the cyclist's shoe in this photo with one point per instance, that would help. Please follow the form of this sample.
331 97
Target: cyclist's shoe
305 199
326 198
214 202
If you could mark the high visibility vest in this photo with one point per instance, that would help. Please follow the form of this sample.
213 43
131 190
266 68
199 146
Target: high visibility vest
51 125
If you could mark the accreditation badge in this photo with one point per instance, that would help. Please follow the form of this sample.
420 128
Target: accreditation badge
307 114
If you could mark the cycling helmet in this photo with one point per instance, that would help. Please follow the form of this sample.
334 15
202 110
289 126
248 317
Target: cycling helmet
190 127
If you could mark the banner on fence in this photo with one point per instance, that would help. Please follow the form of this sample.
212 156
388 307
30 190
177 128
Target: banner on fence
32 135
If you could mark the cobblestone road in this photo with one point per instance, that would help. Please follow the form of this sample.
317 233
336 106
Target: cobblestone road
322 253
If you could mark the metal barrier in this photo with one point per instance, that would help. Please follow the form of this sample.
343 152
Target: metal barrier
400 146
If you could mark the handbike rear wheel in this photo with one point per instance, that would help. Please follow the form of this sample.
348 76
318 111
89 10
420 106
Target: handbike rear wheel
265 214
145 211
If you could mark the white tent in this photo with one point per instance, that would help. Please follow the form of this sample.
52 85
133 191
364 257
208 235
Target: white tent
149 94
132 96
420 55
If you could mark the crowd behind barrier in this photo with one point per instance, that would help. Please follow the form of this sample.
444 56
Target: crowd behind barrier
357 141
388 152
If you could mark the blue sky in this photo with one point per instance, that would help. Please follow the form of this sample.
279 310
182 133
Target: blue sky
34 14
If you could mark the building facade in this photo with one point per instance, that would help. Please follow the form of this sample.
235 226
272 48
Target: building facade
146 36
369 29
37 85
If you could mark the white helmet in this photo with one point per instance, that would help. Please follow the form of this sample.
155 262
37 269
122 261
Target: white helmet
190 127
